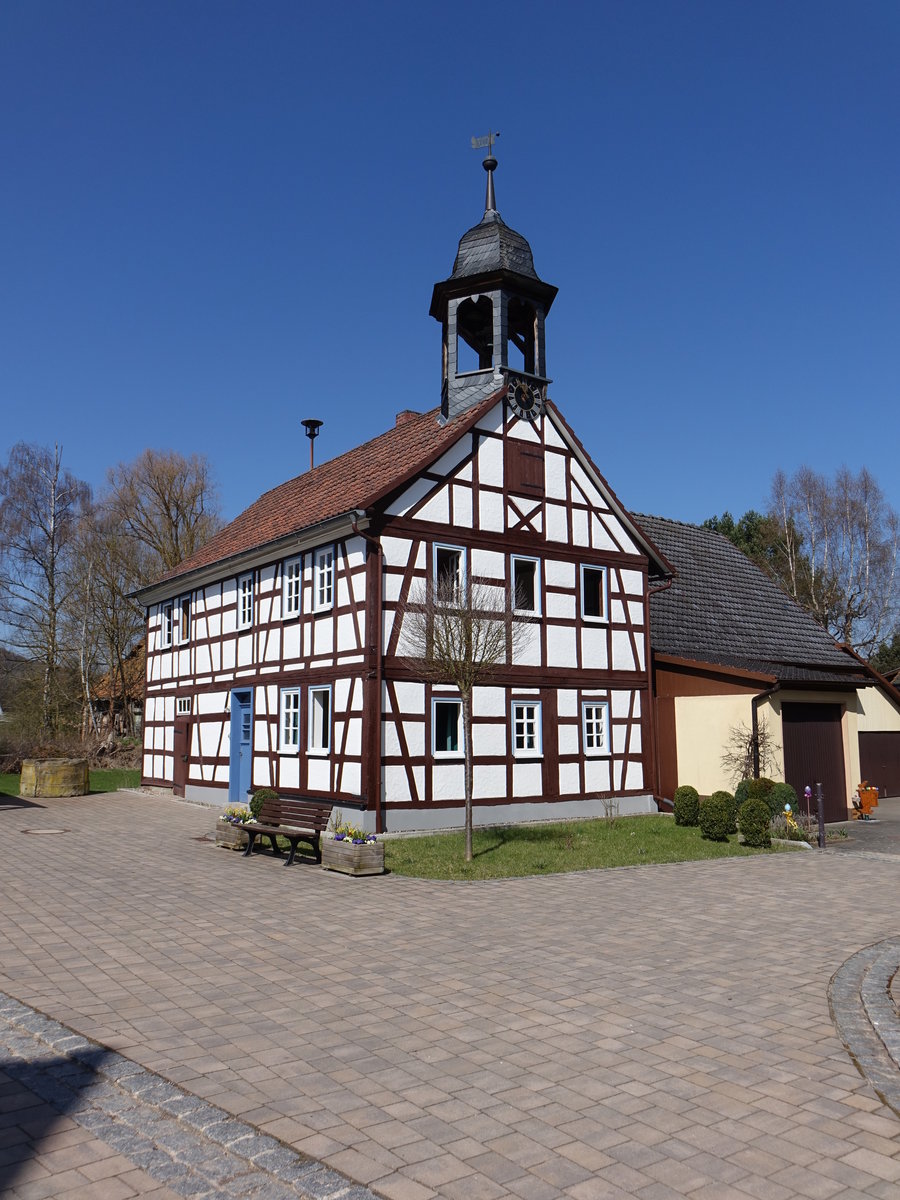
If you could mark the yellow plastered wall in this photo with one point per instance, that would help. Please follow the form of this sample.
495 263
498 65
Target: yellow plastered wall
703 726
878 713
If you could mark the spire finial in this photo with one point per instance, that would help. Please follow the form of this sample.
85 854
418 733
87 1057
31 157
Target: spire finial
490 165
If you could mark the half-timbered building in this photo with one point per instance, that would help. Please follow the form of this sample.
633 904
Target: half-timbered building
275 653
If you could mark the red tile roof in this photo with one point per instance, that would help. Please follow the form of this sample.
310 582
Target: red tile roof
355 480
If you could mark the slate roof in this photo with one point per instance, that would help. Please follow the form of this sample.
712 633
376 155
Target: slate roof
722 609
354 480
492 246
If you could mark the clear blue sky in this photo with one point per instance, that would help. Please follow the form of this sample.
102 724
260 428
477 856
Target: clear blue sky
218 218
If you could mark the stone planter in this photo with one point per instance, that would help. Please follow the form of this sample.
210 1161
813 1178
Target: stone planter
367 858
54 777
232 837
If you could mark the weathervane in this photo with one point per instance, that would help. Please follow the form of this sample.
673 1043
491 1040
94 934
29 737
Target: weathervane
489 164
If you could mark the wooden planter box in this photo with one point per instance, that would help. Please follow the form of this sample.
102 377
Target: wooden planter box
233 837
364 859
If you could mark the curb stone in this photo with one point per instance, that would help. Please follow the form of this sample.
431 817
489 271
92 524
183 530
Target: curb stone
866 1017
196 1149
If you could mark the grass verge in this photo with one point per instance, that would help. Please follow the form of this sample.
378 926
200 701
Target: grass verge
109 780
550 849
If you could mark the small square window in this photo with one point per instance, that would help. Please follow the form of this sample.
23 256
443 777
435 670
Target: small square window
526 723
166 624
446 728
245 601
323 582
290 720
594 593
319 720
183 706
595 727
449 573
292 583
526 581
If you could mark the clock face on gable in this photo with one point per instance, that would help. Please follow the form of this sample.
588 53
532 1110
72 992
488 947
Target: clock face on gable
525 399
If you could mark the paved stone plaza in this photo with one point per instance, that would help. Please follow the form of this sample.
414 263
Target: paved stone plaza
660 1032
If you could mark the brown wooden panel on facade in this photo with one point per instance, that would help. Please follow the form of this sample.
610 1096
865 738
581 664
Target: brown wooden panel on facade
667 747
814 753
524 468
181 750
879 761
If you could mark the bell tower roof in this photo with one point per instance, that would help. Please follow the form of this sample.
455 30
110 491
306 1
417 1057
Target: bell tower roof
492 246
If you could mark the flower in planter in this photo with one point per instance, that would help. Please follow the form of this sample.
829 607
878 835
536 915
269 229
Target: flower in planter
237 814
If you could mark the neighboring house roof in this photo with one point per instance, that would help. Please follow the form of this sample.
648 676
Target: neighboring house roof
135 668
721 609
345 487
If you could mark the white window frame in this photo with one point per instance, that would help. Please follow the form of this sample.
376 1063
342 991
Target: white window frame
323 748
289 721
183 706
536 562
603 618
460 750
292 587
534 722
460 551
323 579
166 623
245 601
589 722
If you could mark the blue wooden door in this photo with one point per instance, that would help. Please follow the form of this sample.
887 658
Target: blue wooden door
240 770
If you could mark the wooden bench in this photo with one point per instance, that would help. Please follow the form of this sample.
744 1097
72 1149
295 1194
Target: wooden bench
296 820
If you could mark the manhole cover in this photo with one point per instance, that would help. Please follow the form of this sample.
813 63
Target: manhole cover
46 831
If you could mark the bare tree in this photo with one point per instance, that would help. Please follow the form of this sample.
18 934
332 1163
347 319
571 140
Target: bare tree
41 505
749 752
838 543
166 503
462 633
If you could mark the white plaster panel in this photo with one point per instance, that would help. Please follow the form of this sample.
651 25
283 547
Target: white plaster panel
351 778
555 479
341 694
619 733
559 574
168 739
634 776
580 534
490 462
354 737
291 638
488 782
417 491
348 630
557 524
451 458
323 636
448 781
464 474
569 779
628 544
600 535
490 512
636 612
289 771
492 421
560 607
639 645
358 587
318 772
528 652
568 739
390 740
245 650
342 591
489 564
552 436
594 647
415 737
524 431
391 587
489 702
488 740
262 773
633 583
462 506
410 697
220 775
597 775
527 779
617 611
622 657
561 648
437 508
396 551
567 702
636 743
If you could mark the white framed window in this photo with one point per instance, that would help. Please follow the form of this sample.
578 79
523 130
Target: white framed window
245 601
166 623
182 706
595 727
526 585
323 579
290 721
184 620
319 736
526 728
291 587
447 739
449 574
594 593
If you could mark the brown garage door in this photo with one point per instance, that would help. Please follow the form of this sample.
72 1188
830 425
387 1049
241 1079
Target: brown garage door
879 761
814 753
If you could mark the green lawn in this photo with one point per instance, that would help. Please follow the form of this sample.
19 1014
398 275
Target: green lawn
550 849
101 781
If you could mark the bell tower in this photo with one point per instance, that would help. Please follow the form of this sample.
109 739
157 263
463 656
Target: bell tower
492 311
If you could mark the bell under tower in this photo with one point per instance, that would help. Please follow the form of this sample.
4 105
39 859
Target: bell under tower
492 311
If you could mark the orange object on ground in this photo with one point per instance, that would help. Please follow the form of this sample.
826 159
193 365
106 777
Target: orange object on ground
868 799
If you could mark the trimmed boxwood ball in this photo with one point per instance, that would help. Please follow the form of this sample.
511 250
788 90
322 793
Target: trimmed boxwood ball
742 792
780 795
729 801
760 789
715 817
258 799
753 820
686 805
